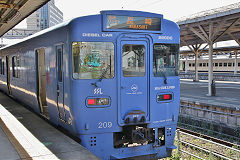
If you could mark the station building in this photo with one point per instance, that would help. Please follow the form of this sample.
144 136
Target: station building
47 16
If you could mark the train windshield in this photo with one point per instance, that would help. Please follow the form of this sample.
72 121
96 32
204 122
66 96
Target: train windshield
92 59
165 60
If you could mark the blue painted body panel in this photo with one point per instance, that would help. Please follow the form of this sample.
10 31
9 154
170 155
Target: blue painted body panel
95 125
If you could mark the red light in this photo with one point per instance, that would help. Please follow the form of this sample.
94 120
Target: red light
91 101
166 97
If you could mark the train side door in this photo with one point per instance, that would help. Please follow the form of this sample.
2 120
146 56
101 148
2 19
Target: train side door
8 75
41 81
134 81
60 83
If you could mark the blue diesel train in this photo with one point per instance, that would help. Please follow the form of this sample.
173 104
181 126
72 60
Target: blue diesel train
109 79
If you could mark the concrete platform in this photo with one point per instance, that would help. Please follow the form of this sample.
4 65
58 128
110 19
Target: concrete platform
24 135
227 93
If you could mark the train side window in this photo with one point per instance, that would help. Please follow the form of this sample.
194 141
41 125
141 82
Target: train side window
204 64
193 64
93 60
216 64
220 64
225 64
229 64
190 64
200 65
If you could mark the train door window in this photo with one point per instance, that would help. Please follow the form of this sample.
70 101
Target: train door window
0 66
165 60
207 64
238 64
225 64
220 64
3 69
233 64
15 66
190 64
193 64
93 60
133 60
60 66
229 64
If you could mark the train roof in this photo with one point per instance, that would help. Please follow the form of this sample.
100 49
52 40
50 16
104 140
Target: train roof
60 25
65 23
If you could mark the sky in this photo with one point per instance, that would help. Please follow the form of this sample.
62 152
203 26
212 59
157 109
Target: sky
171 9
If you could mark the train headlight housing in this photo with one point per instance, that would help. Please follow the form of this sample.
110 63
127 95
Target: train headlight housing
164 97
98 102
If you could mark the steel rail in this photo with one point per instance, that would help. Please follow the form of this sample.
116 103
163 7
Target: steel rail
180 131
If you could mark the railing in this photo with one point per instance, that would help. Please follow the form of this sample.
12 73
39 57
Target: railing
196 147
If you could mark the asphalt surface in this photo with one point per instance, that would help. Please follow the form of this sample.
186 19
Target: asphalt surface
227 93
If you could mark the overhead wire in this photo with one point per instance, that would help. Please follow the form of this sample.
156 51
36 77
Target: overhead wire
150 4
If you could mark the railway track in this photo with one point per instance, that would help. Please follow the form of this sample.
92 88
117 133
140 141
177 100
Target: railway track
194 144
216 140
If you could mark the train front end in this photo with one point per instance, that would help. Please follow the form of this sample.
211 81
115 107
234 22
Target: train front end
125 84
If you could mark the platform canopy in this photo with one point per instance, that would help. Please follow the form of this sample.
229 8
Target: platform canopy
14 11
220 24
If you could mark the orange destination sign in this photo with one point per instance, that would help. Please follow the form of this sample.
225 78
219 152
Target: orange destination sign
133 23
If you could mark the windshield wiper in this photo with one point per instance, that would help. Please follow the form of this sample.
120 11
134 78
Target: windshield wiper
162 73
164 76
102 76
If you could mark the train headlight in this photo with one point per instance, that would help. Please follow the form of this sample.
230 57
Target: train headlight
98 102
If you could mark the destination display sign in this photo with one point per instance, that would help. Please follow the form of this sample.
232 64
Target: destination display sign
133 23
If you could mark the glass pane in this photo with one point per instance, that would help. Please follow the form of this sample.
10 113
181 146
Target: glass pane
93 60
59 52
165 60
133 60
